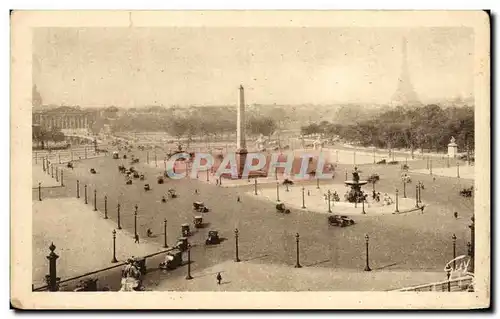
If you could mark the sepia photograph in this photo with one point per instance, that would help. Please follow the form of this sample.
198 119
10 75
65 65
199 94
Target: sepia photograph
321 159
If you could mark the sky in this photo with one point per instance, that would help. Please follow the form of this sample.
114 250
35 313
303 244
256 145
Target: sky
134 67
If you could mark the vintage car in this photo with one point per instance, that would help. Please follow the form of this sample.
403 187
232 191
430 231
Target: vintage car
171 193
200 207
160 180
173 259
198 221
70 165
287 182
92 171
136 174
212 238
146 187
142 177
128 182
185 231
280 208
116 155
182 243
339 220
467 192
122 169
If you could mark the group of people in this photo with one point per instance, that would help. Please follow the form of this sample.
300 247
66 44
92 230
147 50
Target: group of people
131 276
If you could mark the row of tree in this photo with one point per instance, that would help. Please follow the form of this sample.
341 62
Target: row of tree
41 136
194 125
427 128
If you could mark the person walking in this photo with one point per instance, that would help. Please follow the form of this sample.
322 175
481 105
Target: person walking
219 278
137 238
456 215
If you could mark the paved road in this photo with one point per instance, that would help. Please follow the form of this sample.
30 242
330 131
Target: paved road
403 242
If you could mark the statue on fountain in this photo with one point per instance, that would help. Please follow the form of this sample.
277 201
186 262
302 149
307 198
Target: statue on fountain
355 195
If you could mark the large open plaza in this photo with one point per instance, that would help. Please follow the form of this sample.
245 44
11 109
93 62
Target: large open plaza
188 178
413 243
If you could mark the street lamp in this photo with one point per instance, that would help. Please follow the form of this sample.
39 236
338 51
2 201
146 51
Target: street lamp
95 200
317 182
397 204
303 197
135 220
105 207
417 187
454 238
165 233
189 277
404 187
367 267
237 259
363 206
86 202
118 221
297 265
255 186
208 179
40 191
458 169
77 189
329 196
420 186
277 191
114 260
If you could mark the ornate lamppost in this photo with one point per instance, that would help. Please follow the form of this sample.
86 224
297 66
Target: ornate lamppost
397 204
118 212
367 266
52 279
277 191
105 207
86 202
454 239
189 277
77 189
40 191
165 233
297 264
114 260
236 232
255 186
329 205
303 197
135 220
95 200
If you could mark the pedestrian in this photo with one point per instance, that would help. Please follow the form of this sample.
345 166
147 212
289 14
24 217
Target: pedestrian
196 191
308 193
217 182
456 215
136 238
149 233
219 278
238 199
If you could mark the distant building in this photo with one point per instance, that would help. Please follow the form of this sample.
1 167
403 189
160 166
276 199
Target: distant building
70 120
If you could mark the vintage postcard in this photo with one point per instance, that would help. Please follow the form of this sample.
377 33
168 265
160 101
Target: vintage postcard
250 160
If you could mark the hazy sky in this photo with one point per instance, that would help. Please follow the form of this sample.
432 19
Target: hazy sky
165 66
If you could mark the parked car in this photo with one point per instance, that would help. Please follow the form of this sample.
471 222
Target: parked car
339 220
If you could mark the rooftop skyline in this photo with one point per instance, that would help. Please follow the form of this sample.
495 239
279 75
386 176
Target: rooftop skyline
167 66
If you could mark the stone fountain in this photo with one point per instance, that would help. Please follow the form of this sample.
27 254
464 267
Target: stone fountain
355 195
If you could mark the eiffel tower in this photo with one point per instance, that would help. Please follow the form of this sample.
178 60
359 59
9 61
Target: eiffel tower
405 94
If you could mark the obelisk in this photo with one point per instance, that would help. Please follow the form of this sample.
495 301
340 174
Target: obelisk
241 144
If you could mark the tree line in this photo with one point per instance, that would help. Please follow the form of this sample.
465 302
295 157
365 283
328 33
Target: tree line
201 124
428 128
